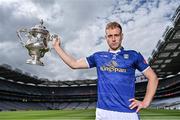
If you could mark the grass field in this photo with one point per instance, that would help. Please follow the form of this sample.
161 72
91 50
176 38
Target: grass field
83 115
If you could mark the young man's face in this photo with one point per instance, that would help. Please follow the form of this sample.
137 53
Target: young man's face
114 38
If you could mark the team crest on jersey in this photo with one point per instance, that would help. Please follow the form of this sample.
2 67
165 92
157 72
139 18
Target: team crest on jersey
126 56
113 63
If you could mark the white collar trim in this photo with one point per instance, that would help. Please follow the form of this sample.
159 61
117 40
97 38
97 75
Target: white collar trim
114 51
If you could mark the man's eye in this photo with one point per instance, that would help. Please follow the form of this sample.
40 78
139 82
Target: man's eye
117 35
109 36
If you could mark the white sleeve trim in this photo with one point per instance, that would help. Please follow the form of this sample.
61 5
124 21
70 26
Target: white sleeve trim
87 62
146 69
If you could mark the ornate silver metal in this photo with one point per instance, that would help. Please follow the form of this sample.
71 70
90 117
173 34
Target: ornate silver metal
35 40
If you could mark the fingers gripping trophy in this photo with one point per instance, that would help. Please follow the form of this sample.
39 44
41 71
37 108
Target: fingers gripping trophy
35 40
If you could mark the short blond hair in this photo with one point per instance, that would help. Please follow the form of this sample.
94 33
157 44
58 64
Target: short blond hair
112 25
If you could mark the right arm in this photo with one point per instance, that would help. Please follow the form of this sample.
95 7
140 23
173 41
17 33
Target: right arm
69 60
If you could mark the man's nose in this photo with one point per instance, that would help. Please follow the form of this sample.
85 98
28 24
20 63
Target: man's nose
113 39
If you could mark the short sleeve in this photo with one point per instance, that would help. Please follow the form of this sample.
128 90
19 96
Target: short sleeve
91 61
141 63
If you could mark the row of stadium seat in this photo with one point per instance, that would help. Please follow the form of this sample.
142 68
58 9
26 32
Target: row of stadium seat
13 106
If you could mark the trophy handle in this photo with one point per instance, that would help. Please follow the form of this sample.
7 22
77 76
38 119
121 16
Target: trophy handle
19 35
51 37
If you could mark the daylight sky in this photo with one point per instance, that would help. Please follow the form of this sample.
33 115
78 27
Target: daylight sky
81 24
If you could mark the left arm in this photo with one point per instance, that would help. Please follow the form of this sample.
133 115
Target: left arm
150 91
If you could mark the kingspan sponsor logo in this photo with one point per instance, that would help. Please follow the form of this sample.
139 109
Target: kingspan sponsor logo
112 67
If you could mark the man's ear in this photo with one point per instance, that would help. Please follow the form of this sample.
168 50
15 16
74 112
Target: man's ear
105 37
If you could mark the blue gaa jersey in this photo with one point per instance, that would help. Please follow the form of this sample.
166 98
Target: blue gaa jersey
116 78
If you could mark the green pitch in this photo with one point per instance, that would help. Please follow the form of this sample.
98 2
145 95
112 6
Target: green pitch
83 115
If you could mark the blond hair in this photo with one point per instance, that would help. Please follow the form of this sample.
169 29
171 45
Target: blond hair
113 25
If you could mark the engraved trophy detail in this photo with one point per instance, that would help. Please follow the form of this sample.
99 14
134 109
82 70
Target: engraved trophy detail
35 40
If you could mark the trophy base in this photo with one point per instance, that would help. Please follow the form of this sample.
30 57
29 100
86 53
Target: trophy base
34 62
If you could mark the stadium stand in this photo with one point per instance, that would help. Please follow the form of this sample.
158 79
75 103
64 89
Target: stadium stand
22 96
23 91
165 57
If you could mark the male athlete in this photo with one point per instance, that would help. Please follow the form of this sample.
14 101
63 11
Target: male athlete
116 76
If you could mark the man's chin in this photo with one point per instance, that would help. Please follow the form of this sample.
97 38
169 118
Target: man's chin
115 48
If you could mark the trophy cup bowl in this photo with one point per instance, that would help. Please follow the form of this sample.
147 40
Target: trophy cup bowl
35 40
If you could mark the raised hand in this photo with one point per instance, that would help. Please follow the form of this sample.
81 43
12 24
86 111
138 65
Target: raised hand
56 41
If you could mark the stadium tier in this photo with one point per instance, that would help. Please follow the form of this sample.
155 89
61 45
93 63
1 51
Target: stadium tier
165 57
78 94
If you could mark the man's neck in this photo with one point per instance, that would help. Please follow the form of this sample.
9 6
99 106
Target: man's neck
115 51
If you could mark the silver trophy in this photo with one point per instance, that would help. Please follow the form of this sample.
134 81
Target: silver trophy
36 41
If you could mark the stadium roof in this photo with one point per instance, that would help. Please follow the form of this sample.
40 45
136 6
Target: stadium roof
17 75
165 58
